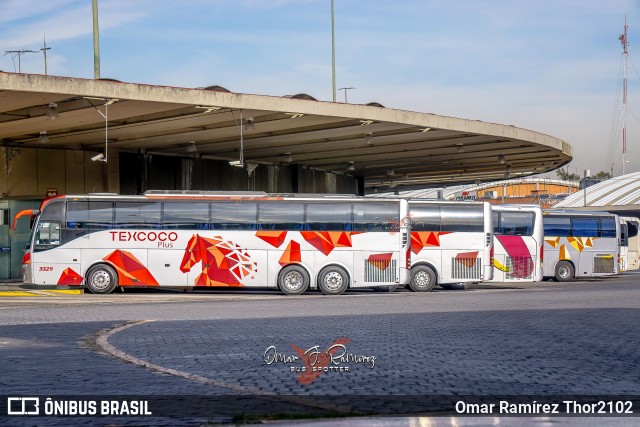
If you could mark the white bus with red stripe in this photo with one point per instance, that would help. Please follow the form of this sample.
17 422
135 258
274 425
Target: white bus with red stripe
191 239
451 242
518 238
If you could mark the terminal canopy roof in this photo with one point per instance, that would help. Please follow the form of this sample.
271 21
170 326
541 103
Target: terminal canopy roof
620 195
387 148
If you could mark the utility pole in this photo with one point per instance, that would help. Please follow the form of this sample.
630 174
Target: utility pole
345 89
44 52
625 54
96 42
333 54
18 54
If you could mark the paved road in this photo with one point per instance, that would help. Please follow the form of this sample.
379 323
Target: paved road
581 338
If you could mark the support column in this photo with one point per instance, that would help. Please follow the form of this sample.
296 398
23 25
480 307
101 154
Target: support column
112 178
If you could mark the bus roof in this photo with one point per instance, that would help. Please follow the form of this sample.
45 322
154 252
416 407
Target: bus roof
576 213
156 195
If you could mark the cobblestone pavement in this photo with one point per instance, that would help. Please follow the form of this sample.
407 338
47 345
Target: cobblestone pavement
581 338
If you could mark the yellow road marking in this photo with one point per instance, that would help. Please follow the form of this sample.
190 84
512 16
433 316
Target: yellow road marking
18 294
66 291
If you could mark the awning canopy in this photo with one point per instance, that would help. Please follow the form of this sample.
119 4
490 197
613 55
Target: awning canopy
388 148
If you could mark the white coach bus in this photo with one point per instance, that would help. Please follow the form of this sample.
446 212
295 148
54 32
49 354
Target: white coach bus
451 242
633 253
580 244
518 237
190 239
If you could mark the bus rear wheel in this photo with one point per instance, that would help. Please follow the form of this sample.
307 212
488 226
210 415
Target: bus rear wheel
333 280
293 280
101 279
423 279
564 271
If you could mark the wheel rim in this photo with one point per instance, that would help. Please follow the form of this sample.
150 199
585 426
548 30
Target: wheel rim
293 280
421 279
563 272
333 281
100 280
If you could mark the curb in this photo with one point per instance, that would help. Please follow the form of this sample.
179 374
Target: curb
34 293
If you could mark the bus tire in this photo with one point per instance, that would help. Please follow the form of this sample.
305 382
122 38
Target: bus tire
423 279
101 279
333 280
565 272
293 280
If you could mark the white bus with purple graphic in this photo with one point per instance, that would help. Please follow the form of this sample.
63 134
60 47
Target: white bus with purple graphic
190 239
452 244
518 237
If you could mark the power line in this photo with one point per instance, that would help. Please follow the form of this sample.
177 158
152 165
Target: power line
18 54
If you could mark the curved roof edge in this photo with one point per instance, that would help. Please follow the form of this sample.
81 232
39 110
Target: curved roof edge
619 192
154 93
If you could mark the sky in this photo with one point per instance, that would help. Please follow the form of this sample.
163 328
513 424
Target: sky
551 66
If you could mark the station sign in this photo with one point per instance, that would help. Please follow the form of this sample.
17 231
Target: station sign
465 195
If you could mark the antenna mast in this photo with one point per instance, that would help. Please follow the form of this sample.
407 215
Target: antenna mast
625 54
44 52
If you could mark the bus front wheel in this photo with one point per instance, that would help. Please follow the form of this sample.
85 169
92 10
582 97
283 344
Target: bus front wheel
101 279
333 280
423 279
564 271
293 280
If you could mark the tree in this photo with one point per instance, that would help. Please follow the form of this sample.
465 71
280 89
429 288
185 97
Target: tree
566 176
602 175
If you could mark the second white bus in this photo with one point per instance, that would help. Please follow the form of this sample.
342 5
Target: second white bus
451 242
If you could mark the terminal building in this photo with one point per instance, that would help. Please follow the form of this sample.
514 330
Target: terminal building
63 135
544 192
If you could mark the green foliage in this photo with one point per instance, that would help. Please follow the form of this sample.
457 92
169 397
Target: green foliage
602 175
566 176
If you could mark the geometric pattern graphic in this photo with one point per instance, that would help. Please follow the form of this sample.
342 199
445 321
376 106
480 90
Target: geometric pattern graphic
291 254
223 263
501 267
274 238
468 259
577 243
517 249
564 253
553 241
326 241
380 261
420 239
70 278
130 270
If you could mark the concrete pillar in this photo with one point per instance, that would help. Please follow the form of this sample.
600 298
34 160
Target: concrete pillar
112 172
